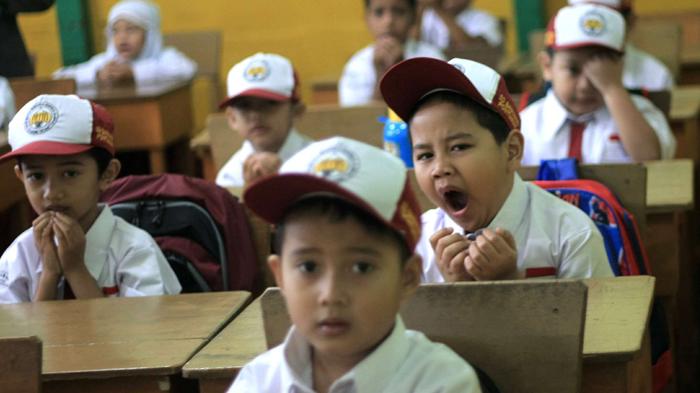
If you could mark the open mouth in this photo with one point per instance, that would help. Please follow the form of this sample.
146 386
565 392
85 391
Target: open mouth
456 200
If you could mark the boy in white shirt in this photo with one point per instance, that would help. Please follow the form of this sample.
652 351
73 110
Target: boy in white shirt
347 224
389 22
641 71
7 104
588 114
456 24
263 104
76 248
467 146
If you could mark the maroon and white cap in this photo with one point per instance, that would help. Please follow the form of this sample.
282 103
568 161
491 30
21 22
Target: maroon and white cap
620 5
411 80
586 25
361 174
263 75
59 125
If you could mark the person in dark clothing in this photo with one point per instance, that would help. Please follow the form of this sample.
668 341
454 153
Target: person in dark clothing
14 60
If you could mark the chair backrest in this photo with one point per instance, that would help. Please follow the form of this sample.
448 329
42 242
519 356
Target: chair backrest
526 335
25 89
663 39
204 47
224 141
20 364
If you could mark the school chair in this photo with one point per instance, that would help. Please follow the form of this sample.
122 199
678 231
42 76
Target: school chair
527 336
20 364
204 47
661 39
25 89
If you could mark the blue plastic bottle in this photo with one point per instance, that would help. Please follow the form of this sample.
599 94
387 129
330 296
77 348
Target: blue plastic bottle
397 141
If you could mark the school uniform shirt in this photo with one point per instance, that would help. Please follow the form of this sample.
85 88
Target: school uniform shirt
644 72
546 127
7 104
231 174
123 259
474 22
553 238
406 361
359 78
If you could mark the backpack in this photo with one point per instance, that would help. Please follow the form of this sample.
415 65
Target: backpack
623 245
201 228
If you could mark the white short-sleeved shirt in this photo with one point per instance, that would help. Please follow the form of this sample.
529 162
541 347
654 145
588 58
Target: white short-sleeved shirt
7 104
168 64
231 174
553 238
645 72
124 260
359 78
547 132
474 22
406 361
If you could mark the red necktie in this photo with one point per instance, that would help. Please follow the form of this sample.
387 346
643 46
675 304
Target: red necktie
576 140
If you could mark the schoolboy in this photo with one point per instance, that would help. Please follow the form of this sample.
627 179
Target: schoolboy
263 104
389 22
347 222
456 24
641 70
76 248
488 224
588 114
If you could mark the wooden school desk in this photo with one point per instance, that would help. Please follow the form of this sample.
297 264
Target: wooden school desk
120 344
684 119
147 117
615 352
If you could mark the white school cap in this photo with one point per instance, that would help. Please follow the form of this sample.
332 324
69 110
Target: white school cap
586 25
263 75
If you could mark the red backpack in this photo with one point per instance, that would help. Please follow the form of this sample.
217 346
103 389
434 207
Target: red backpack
201 228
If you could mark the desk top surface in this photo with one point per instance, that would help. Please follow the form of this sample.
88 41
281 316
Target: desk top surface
99 93
121 336
616 317
685 102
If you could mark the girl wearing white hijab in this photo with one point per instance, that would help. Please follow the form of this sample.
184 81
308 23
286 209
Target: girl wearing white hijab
7 104
134 50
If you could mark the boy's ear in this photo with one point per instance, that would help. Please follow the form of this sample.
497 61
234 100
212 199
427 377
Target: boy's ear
110 173
275 265
410 276
18 173
230 117
298 109
545 61
515 144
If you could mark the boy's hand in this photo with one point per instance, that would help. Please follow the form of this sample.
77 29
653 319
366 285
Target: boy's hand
451 249
604 71
42 227
387 52
492 256
71 243
260 164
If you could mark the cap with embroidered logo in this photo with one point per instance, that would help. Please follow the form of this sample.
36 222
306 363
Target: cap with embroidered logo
409 81
361 174
59 125
586 25
263 75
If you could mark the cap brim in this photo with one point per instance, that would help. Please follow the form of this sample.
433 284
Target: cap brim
587 44
257 93
47 148
404 84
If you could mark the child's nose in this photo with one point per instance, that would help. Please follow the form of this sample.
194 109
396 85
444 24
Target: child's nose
441 166
332 292
53 191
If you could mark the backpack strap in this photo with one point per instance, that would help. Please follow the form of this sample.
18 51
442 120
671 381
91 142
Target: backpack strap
564 169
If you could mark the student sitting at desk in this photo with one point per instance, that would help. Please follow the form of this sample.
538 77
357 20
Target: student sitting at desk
347 223
588 114
389 22
641 70
262 105
456 24
76 248
135 51
467 145
7 104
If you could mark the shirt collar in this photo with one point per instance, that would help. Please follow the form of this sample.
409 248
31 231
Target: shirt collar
292 145
98 239
557 115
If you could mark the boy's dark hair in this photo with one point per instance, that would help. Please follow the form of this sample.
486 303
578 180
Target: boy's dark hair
101 156
411 3
336 210
597 50
486 118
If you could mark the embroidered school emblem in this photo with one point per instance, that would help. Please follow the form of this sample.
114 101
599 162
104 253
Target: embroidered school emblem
256 71
592 23
40 118
336 164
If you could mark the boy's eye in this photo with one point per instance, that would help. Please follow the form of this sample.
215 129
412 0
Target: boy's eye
460 147
307 267
34 176
424 156
70 173
362 267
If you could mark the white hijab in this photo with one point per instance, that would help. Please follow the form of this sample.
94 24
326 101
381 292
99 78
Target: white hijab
142 13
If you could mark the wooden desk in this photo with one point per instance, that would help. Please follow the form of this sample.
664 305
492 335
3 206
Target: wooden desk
147 117
690 65
615 351
684 119
106 345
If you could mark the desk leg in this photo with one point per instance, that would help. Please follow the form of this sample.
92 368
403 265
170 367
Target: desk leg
158 161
